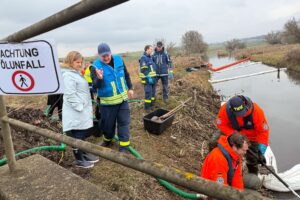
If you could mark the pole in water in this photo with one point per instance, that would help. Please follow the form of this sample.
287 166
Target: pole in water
276 175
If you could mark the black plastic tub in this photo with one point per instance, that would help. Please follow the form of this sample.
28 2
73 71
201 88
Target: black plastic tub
157 127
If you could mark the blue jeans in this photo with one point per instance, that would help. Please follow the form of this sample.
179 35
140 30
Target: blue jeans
165 85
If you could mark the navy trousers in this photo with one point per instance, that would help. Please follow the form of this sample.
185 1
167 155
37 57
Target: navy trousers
113 116
150 93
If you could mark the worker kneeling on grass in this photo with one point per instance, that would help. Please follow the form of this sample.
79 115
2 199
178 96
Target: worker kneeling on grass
148 76
240 114
114 87
224 163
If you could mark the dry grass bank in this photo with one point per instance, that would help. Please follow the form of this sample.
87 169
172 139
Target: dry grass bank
183 146
274 55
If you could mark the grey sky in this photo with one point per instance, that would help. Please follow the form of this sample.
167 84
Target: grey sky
128 27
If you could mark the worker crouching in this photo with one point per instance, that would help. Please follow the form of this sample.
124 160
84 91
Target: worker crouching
224 163
242 115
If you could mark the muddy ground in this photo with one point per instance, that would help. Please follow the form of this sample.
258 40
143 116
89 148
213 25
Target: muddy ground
183 146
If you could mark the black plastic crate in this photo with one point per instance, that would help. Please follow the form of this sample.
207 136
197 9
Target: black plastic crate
157 127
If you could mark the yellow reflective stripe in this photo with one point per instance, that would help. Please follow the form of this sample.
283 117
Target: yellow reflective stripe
113 85
151 67
144 67
114 100
143 82
105 139
124 144
147 100
142 75
153 98
123 84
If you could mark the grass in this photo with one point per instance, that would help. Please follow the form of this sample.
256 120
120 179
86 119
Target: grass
274 55
181 146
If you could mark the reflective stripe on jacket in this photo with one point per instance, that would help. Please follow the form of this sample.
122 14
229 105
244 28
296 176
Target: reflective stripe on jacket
147 68
114 88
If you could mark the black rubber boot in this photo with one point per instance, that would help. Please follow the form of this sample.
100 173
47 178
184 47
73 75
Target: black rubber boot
90 157
80 161
124 149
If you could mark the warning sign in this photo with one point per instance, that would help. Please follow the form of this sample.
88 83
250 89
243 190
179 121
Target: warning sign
29 68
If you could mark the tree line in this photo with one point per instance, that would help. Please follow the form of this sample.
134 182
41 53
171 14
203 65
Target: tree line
289 35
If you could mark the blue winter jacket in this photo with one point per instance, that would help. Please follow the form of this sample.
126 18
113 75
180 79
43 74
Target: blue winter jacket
163 62
113 89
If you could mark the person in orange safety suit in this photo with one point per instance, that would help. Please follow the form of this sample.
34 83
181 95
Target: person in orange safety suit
224 163
242 115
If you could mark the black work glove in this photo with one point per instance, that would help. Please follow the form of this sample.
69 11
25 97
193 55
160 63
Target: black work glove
261 158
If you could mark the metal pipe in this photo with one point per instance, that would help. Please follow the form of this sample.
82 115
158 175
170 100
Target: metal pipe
172 175
7 140
73 13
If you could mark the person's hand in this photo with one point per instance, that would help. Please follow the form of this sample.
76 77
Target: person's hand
150 80
262 148
261 158
130 94
99 73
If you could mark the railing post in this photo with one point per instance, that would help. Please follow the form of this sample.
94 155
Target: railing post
7 140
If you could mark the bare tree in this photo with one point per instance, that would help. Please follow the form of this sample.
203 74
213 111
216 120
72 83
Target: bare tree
234 44
192 42
274 37
170 47
291 33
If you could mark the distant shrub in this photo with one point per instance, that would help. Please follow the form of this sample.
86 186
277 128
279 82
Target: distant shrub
293 57
234 44
274 37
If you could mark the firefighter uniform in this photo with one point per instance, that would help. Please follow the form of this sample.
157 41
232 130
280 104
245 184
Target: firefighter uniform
114 108
148 78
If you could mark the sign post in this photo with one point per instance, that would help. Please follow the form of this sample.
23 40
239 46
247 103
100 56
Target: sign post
29 68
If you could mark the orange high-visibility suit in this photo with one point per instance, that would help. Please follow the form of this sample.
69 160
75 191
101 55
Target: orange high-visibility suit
216 166
260 131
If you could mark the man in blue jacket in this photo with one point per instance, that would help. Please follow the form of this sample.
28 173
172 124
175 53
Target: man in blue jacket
148 76
114 87
164 68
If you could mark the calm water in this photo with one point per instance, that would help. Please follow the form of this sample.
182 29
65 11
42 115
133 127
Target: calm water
279 96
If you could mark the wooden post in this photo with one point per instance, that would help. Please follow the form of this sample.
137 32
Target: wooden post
6 134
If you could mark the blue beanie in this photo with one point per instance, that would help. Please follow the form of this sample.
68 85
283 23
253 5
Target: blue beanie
103 49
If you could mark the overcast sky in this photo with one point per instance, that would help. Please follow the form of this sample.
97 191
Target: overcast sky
129 26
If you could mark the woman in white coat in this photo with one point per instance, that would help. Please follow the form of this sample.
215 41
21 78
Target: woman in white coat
77 112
